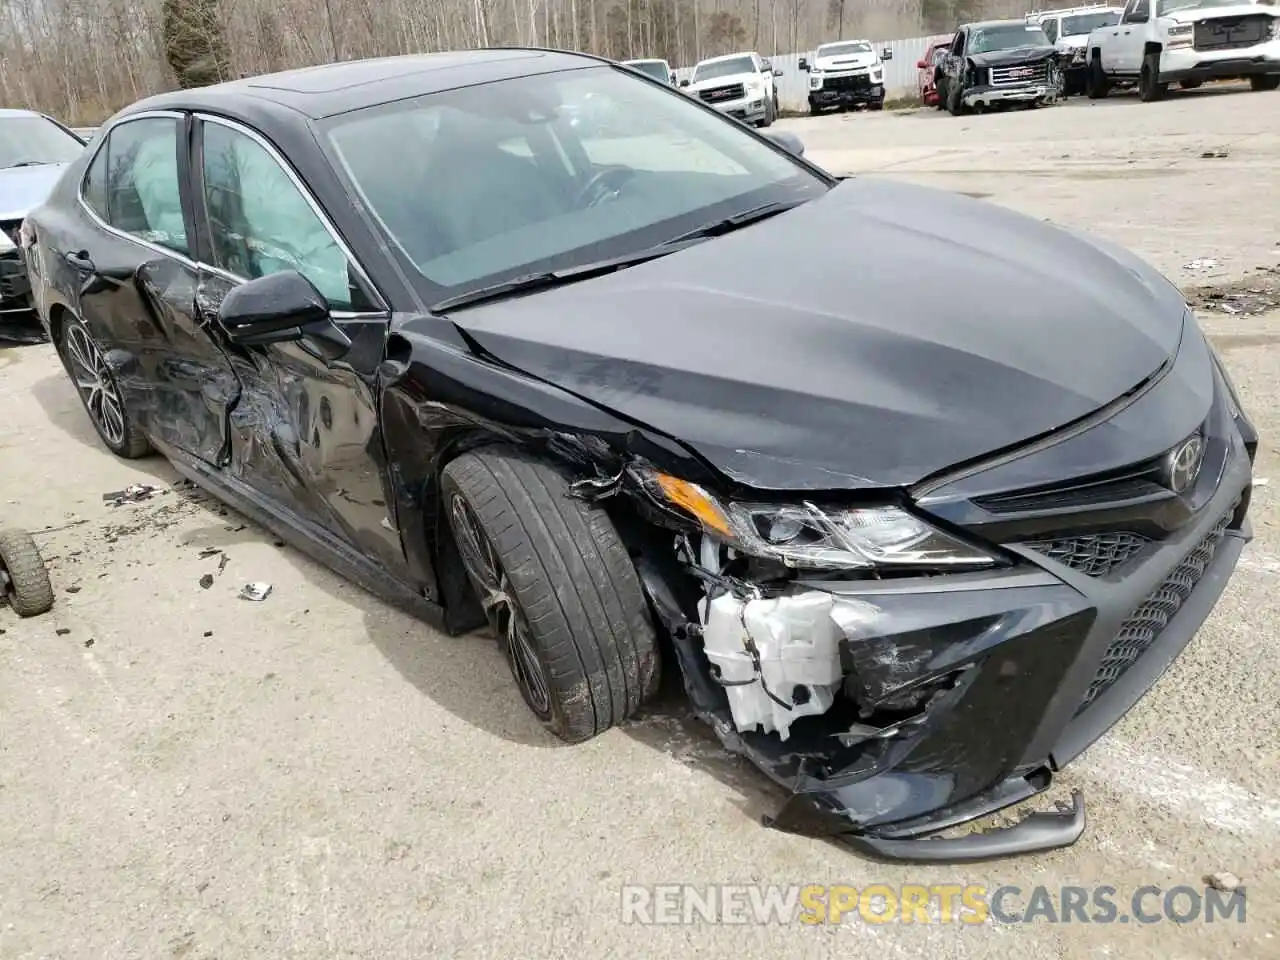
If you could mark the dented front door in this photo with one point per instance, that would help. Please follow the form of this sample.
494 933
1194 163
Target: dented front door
304 429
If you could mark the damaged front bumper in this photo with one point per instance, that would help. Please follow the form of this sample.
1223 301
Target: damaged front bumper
949 697
985 95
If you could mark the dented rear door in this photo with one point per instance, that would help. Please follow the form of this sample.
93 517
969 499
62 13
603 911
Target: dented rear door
138 280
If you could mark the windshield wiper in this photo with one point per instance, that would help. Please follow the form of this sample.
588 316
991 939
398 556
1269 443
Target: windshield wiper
555 278
29 163
747 217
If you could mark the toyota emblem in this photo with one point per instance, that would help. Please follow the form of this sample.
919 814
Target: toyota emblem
1185 463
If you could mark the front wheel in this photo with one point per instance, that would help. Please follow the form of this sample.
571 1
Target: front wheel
558 588
1265 82
1096 84
1150 88
955 106
99 392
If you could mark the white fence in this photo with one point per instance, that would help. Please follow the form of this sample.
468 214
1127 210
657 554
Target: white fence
900 73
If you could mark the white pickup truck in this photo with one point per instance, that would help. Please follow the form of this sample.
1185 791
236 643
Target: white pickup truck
1159 42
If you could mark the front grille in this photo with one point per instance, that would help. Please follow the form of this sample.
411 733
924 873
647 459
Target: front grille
859 81
1231 33
733 91
1143 627
1095 554
1023 73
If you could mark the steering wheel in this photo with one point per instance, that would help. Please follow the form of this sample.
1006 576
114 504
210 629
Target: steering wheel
597 189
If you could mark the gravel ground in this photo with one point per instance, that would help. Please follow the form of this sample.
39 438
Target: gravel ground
189 775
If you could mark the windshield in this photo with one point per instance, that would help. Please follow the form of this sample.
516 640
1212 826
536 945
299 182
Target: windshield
1169 6
1083 23
657 69
1006 37
843 49
489 182
30 140
723 68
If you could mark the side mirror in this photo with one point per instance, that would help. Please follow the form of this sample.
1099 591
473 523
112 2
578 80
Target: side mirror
921 65
886 54
673 78
804 64
787 141
684 83
777 71
279 307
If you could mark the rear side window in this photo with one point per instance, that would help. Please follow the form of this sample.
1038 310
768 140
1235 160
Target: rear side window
133 182
95 184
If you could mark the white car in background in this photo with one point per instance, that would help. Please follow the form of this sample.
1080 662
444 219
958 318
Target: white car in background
846 74
654 67
738 84
1068 30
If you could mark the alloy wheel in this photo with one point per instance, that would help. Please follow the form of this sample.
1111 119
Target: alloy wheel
97 387
501 608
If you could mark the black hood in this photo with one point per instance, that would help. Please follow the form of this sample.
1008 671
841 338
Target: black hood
1012 56
869 338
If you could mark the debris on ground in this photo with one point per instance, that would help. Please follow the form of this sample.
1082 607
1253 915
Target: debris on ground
73 589
62 631
133 493
1256 294
206 581
1214 154
89 642
1200 263
209 552
255 591
208 633
1225 881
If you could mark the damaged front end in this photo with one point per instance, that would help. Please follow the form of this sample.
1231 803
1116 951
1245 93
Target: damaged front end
885 671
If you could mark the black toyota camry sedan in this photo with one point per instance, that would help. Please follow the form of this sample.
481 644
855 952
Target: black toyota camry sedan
912 533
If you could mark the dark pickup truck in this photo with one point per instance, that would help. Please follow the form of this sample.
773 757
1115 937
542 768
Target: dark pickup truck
997 64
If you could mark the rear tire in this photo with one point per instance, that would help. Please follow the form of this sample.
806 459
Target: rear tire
1150 89
559 589
99 393
1265 82
25 578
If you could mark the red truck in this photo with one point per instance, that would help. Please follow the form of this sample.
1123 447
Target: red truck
928 66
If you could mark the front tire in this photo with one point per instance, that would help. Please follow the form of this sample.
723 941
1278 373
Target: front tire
99 393
1150 89
954 105
1265 82
1096 84
559 589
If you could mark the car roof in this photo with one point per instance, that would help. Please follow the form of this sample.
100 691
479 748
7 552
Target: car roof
333 88
836 43
646 60
18 112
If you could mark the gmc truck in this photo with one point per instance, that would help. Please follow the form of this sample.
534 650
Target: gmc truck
1159 42
846 73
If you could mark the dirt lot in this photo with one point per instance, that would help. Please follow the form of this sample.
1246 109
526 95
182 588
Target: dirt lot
189 775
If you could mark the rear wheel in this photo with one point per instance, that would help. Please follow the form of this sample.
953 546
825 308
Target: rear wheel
1265 82
558 588
24 579
99 392
1150 88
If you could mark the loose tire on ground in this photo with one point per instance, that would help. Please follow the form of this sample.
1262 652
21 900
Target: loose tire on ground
23 574
569 578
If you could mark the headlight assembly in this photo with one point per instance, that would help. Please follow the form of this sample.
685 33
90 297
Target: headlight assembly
805 535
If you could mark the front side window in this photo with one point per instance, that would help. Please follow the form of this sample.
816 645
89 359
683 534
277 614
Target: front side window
143 191
1006 37
655 68
260 223
30 140
723 68
490 182
1169 6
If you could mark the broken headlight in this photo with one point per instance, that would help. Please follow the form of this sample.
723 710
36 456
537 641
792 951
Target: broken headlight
805 535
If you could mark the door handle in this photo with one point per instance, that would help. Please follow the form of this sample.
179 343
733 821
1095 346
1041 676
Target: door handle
79 260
